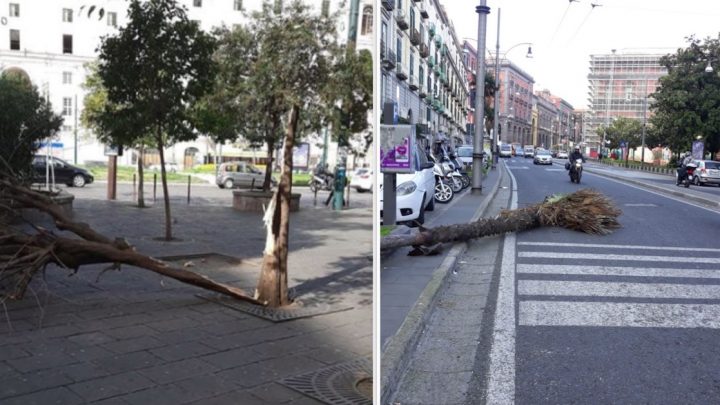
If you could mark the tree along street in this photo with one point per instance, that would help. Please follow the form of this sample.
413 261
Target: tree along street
631 317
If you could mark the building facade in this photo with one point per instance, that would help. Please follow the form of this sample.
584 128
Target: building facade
422 69
515 102
52 42
620 84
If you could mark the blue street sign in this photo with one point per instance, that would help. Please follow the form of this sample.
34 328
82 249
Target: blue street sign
51 144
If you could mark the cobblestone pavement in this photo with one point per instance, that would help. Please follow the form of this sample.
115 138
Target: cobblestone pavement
133 337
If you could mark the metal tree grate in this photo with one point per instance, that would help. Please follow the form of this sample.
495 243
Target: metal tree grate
275 314
334 385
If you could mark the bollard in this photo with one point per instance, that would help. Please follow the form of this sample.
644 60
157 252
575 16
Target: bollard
189 178
315 201
252 184
134 197
154 187
347 202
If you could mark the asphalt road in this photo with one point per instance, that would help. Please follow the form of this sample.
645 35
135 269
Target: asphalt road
630 317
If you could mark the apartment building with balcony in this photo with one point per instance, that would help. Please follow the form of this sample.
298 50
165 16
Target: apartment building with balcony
422 71
515 102
51 42
619 85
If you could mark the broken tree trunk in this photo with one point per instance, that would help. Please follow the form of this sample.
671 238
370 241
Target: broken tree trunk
22 255
585 210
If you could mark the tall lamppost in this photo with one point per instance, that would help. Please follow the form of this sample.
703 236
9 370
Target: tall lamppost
483 10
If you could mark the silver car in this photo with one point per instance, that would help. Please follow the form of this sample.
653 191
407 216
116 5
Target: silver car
707 172
542 157
240 175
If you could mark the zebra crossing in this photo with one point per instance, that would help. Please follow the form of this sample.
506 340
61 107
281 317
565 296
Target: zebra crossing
572 284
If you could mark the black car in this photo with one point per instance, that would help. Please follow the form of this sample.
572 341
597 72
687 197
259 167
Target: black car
64 172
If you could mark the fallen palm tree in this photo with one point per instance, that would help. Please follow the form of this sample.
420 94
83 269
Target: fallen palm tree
24 253
585 210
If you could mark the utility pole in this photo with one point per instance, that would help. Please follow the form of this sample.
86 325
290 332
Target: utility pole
483 10
496 97
642 153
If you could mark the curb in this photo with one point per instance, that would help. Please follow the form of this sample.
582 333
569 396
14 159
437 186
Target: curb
396 353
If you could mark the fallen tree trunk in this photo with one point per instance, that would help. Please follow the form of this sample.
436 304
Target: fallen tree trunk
22 255
585 210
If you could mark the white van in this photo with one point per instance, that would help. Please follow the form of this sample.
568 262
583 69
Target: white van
506 150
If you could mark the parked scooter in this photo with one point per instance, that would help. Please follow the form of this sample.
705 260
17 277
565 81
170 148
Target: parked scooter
444 192
321 182
460 169
684 176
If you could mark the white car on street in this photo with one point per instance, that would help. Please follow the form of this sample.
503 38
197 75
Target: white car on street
415 192
362 180
562 154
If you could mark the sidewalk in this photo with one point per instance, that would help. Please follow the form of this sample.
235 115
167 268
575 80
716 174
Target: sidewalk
133 337
409 285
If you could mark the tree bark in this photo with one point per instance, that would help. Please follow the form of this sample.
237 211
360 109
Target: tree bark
141 175
163 178
268 167
272 288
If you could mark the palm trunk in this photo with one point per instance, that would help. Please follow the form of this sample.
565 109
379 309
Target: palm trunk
268 166
272 287
141 175
163 178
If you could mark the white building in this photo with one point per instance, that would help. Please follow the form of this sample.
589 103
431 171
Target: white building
52 41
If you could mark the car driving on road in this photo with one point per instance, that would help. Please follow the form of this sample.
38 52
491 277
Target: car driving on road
542 157
61 171
707 172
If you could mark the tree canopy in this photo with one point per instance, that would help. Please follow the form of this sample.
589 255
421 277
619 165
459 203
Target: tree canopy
25 120
687 103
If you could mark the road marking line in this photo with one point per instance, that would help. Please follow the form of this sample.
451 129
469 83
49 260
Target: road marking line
615 271
617 289
501 381
590 245
640 205
607 257
517 167
619 314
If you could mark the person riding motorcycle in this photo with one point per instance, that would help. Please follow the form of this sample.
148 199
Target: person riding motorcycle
574 155
323 171
686 159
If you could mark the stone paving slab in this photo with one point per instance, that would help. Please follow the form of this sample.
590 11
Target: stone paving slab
134 337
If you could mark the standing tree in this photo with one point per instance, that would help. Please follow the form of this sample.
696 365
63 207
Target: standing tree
25 120
625 130
687 103
154 70
296 45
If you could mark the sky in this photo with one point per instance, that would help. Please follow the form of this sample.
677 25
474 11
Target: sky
564 34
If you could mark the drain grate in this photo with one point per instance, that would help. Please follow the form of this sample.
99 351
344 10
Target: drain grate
335 385
295 311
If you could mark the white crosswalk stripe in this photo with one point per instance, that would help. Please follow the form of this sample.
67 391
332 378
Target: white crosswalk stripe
607 294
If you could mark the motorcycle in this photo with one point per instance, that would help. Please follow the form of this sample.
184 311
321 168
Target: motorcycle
459 169
444 192
575 170
684 178
319 182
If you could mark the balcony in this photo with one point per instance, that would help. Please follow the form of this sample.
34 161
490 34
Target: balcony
388 4
431 30
424 51
431 61
437 69
400 72
412 83
415 37
401 20
422 93
423 11
388 59
438 41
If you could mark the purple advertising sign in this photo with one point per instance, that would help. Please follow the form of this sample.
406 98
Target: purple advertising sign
698 149
397 148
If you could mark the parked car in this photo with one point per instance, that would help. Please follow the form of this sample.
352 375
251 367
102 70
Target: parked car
707 172
169 167
542 157
240 175
465 156
562 154
415 192
520 152
505 150
63 172
362 180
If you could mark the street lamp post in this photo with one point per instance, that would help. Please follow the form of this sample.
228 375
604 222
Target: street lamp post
483 10
642 152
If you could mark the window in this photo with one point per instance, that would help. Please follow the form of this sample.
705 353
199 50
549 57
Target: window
367 21
67 44
325 9
14 10
421 75
67 77
238 5
412 64
197 3
67 15
15 40
112 19
398 43
412 18
67 106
